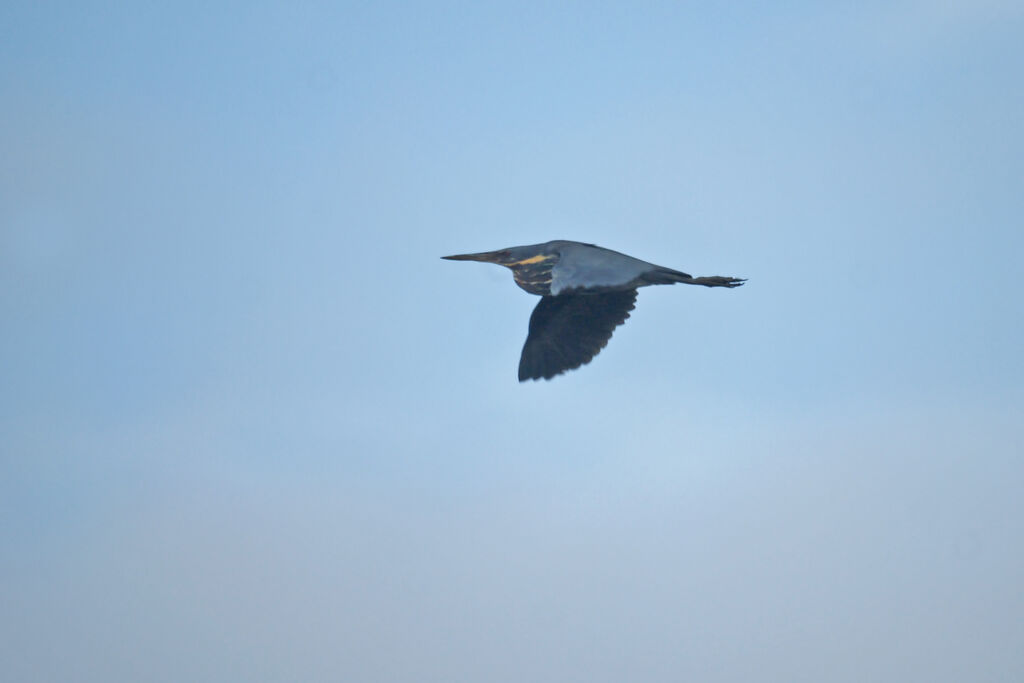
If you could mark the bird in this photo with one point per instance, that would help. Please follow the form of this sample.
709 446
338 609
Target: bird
586 291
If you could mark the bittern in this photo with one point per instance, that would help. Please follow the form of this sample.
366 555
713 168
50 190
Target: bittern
586 292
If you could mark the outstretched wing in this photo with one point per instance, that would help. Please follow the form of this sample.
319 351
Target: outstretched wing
567 331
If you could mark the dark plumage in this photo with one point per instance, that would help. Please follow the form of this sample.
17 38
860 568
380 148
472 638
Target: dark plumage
586 292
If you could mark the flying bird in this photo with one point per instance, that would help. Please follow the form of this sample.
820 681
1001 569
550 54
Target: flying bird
586 292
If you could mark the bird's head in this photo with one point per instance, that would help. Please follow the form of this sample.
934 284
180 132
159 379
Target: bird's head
510 257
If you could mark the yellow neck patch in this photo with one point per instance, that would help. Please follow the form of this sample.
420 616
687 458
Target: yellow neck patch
533 259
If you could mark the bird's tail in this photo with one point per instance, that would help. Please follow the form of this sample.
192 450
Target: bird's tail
667 276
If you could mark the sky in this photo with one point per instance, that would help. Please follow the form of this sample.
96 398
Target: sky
253 428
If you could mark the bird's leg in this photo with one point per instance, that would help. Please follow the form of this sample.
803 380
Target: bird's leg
716 281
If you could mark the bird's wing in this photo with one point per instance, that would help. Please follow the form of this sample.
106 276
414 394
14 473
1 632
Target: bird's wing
567 331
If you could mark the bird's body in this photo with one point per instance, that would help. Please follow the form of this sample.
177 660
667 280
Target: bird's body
586 292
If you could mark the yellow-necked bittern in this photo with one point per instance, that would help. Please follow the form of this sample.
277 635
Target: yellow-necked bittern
586 292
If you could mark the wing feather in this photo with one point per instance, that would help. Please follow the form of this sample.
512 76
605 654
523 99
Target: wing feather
567 331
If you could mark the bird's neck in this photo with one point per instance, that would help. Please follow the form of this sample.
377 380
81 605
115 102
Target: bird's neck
534 277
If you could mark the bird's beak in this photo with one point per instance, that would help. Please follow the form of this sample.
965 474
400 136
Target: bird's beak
484 256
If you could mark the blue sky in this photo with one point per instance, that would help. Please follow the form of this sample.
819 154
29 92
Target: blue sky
254 428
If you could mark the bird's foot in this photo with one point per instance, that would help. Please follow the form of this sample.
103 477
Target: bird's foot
718 281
